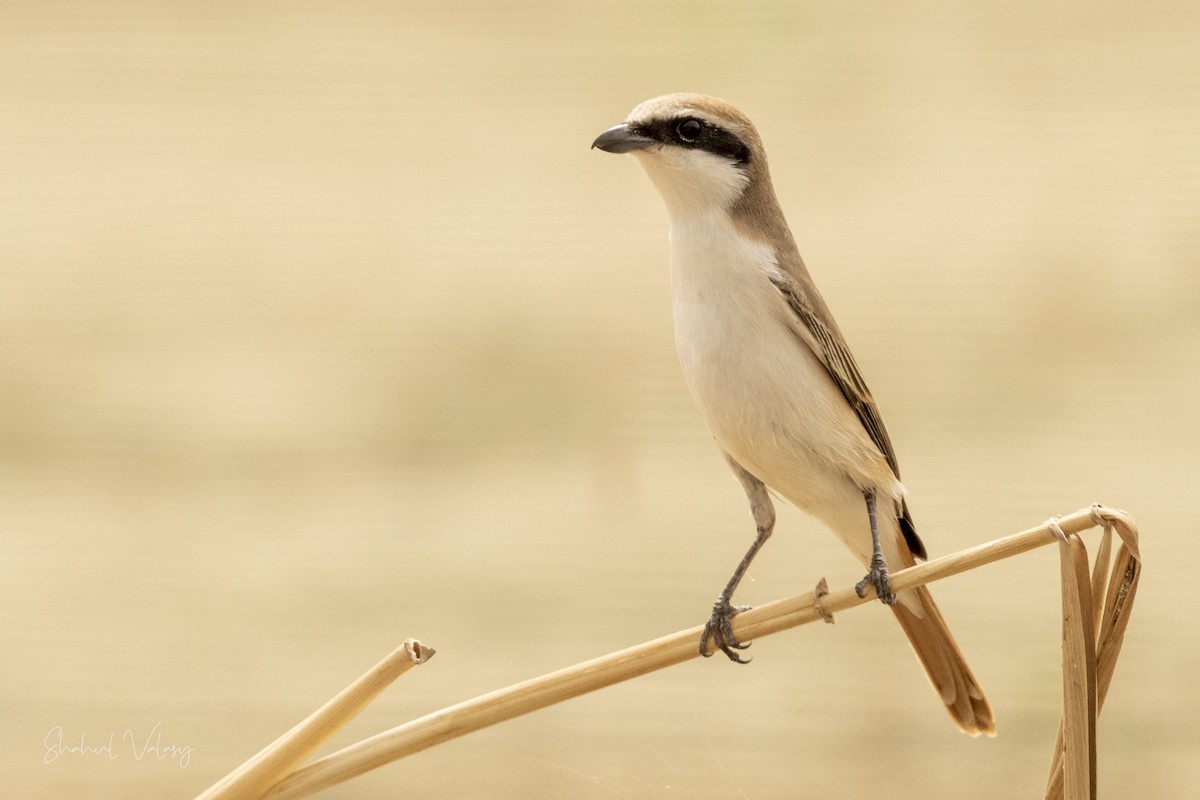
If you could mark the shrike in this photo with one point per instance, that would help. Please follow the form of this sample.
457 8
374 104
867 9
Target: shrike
773 375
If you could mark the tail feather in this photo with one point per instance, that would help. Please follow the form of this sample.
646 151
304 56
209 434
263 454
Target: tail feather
945 665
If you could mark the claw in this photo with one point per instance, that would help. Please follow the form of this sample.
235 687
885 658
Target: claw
879 578
720 629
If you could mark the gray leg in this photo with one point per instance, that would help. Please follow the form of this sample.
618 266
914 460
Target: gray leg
719 626
878 576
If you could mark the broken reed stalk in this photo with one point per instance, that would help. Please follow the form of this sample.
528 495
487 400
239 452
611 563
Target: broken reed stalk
1078 729
282 756
1094 620
522 698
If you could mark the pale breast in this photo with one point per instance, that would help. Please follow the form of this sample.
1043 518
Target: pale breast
766 396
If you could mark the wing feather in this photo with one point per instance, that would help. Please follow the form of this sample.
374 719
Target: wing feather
830 346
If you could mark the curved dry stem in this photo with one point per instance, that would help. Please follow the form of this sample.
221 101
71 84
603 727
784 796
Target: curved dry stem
522 698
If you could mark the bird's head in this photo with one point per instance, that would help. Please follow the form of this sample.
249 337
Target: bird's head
701 153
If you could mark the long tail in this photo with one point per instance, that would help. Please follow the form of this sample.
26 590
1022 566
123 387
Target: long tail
945 665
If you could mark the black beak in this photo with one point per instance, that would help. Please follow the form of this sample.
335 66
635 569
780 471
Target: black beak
619 139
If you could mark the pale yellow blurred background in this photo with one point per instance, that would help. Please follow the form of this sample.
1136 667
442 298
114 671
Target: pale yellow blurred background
321 327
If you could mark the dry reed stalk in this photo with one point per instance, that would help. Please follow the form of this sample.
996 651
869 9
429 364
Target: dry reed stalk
283 755
1079 673
1110 596
522 698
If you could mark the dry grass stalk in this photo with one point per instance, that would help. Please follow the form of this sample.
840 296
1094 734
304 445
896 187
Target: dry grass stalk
1110 595
1079 673
471 715
283 755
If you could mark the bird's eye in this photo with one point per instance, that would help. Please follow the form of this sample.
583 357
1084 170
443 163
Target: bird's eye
689 130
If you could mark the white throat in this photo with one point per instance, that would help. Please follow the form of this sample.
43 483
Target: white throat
693 181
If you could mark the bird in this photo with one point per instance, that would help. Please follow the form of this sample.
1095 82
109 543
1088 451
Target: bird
773 376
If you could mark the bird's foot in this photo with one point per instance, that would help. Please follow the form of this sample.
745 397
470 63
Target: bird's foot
720 629
879 578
